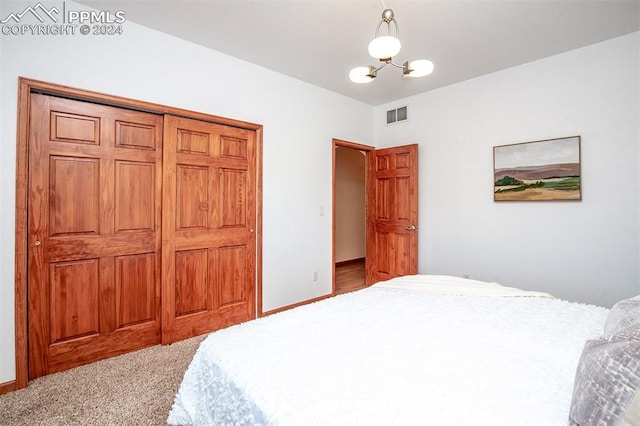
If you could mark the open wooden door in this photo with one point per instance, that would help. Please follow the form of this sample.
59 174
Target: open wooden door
209 215
392 213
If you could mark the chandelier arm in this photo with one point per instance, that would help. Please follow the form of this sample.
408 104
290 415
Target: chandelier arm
388 28
395 65
378 29
384 65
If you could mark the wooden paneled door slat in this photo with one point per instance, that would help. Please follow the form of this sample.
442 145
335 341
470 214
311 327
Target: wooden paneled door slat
392 213
94 221
209 214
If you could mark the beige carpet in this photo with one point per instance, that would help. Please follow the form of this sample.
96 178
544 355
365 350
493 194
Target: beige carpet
132 389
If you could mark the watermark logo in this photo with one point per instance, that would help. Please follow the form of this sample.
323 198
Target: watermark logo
40 20
37 11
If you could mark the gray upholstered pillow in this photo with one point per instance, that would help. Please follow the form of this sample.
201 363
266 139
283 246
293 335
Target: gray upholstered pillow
625 313
607 385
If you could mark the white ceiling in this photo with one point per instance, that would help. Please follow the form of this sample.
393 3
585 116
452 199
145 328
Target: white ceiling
319 41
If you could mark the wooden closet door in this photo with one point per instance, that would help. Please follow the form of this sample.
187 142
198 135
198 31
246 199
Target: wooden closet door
93 232
209 214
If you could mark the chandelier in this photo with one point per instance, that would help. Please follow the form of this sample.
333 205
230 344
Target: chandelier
384 48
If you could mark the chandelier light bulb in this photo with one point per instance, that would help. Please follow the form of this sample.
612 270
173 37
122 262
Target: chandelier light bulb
384 47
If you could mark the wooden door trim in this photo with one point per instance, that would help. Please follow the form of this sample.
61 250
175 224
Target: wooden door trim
258 153
128 103
27 86
335 143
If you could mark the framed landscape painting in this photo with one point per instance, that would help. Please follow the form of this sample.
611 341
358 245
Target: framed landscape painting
537 171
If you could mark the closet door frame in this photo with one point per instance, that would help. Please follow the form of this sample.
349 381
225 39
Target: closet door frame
25 88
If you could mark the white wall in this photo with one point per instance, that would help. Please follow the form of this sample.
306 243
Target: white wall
582 251
299 121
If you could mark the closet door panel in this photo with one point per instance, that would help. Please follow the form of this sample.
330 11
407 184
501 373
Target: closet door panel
208 215
93 232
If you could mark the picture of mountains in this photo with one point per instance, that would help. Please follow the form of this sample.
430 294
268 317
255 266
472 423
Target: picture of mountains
538 171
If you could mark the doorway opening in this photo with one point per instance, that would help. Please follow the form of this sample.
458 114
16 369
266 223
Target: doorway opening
349 215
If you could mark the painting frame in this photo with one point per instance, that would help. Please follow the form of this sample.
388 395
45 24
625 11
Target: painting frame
543 170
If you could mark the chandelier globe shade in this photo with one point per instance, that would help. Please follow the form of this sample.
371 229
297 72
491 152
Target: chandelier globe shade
384 47
418 68
362 75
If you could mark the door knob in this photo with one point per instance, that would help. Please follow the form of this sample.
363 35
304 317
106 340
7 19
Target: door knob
411 228
37 243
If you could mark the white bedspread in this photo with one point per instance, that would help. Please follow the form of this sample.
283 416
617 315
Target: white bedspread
446 284
394 355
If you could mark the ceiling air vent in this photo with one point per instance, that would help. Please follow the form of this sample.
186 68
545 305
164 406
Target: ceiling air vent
397 115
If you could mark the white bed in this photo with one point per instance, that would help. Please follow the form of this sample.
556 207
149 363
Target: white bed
413 350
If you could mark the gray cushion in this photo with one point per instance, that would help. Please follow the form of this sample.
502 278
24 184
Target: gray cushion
624 314
607 385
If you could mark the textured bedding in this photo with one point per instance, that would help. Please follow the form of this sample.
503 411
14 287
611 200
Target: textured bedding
396 353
